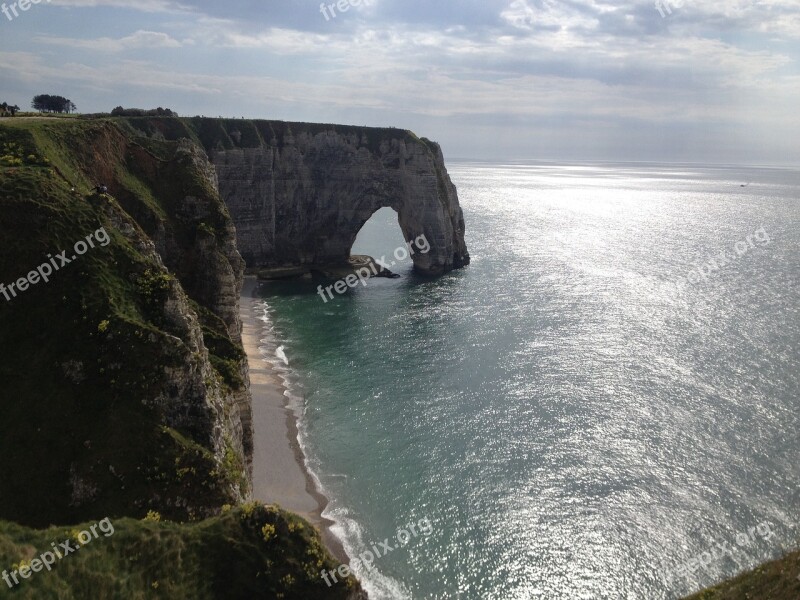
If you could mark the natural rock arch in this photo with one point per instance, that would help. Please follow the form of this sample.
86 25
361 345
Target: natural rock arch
424 218
300 197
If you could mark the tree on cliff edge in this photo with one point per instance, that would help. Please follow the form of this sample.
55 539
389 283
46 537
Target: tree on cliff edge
57 104
119 111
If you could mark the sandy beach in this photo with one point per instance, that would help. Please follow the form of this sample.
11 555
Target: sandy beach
279 472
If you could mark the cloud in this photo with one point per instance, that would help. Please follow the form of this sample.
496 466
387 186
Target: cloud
278 40
549 15
154 77
603 64
150 6
138 39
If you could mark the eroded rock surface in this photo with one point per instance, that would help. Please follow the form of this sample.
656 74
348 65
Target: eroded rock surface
299 193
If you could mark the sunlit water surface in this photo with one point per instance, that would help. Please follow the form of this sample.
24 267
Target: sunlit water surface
574 417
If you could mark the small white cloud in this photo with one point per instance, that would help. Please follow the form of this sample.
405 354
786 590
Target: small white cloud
138 39
519 14
141 5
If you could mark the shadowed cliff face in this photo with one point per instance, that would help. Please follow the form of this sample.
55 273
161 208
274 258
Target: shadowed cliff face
123 379
300 193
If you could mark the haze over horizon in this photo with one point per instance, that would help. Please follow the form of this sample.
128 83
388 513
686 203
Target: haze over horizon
495 79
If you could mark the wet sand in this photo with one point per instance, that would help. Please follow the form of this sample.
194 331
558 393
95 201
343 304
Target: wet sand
279 472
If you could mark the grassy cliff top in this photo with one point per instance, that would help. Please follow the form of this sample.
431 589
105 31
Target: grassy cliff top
249 552
226 134
775 580
214 134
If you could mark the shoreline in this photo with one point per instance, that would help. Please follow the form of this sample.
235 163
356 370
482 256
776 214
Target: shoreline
280 475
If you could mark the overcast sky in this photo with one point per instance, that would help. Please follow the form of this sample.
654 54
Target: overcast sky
496 79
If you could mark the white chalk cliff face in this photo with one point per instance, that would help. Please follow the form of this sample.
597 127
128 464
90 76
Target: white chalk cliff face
299 193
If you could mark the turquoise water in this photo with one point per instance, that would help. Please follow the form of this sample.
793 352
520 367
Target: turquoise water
574 417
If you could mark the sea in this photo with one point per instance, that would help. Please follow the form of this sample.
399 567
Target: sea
604 404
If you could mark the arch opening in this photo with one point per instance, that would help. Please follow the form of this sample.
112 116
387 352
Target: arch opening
380 238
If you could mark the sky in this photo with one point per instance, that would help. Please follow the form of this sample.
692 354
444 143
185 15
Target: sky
685 81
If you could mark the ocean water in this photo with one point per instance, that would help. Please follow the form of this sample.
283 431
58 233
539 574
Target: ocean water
589 410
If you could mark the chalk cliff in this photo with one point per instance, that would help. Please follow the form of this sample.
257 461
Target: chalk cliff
299 193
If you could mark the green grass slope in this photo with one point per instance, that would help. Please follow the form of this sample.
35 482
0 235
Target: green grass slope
86 356
226 134
246 553
776 580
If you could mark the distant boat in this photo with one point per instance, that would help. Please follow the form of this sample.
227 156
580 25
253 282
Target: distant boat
745 184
